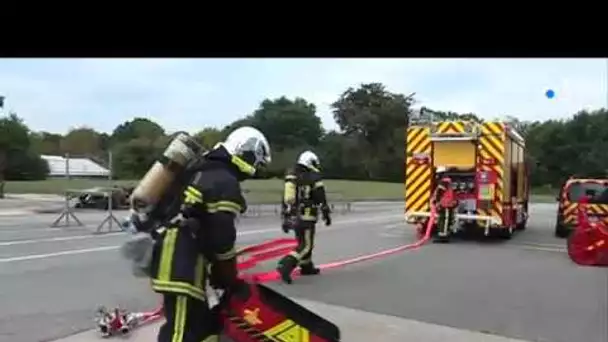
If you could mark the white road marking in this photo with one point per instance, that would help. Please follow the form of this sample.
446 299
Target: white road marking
396 230
547 247
340 224
538 244
6 227
15 213
63 238
15 228
244 232
69 252
543 249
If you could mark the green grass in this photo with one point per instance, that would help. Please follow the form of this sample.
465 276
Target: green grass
540 198
256 191
263 191
544 194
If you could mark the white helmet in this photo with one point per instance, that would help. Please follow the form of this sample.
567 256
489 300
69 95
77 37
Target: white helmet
249 149
310 160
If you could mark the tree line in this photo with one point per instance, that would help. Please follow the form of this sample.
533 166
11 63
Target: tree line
369 143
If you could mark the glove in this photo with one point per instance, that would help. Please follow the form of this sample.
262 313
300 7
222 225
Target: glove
222 309
217 317
128 225
136 222
326 215
138 249
288 223
224 275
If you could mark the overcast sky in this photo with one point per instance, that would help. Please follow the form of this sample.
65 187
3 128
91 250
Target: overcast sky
190 94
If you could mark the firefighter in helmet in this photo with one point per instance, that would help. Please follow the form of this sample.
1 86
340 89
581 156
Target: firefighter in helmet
198 247
445 203
304 195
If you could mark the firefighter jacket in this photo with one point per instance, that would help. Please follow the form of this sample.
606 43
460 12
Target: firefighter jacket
205 232
304 195
444 195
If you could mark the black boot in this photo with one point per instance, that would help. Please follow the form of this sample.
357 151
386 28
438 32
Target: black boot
309 269
286 266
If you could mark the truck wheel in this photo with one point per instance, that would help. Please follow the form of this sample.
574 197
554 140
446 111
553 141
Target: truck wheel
504 233
441 239
522 225
561 231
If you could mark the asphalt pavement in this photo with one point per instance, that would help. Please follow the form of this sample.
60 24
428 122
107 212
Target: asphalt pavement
52 279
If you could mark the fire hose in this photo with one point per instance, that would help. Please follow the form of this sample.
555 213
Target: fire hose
270 276
250 256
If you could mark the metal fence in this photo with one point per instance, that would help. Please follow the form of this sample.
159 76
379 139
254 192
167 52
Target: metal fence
258 210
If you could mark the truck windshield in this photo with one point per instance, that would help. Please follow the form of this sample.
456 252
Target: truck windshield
579 189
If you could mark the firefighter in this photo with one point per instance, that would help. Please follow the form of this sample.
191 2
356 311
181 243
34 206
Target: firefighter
445 203
304 195
199 246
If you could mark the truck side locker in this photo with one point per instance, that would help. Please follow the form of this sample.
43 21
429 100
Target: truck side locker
418 173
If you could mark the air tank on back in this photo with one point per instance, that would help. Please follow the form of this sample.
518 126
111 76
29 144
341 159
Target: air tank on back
181 151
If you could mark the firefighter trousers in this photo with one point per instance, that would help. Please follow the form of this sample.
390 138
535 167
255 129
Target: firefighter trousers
305 235
445 221
188 320
302 254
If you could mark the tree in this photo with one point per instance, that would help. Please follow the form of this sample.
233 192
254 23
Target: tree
520 126
26 166
369 144
281 161
333 152
288 123
559 149
46 143
133 159
208 137
17 160
82 141
376 119
369 110
437 115
246 121
137 128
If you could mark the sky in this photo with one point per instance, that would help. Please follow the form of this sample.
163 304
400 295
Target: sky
191 94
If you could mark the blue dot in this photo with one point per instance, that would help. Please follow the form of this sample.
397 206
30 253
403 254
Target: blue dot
550 94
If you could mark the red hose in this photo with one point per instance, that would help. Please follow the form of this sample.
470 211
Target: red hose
252 255
265 254
264 251
265 277
152 316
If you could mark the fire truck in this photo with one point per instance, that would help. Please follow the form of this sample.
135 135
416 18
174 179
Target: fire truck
487 165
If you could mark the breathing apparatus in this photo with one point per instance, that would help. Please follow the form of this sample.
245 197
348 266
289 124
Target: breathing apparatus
156 196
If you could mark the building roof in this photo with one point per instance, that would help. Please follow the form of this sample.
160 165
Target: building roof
77 167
